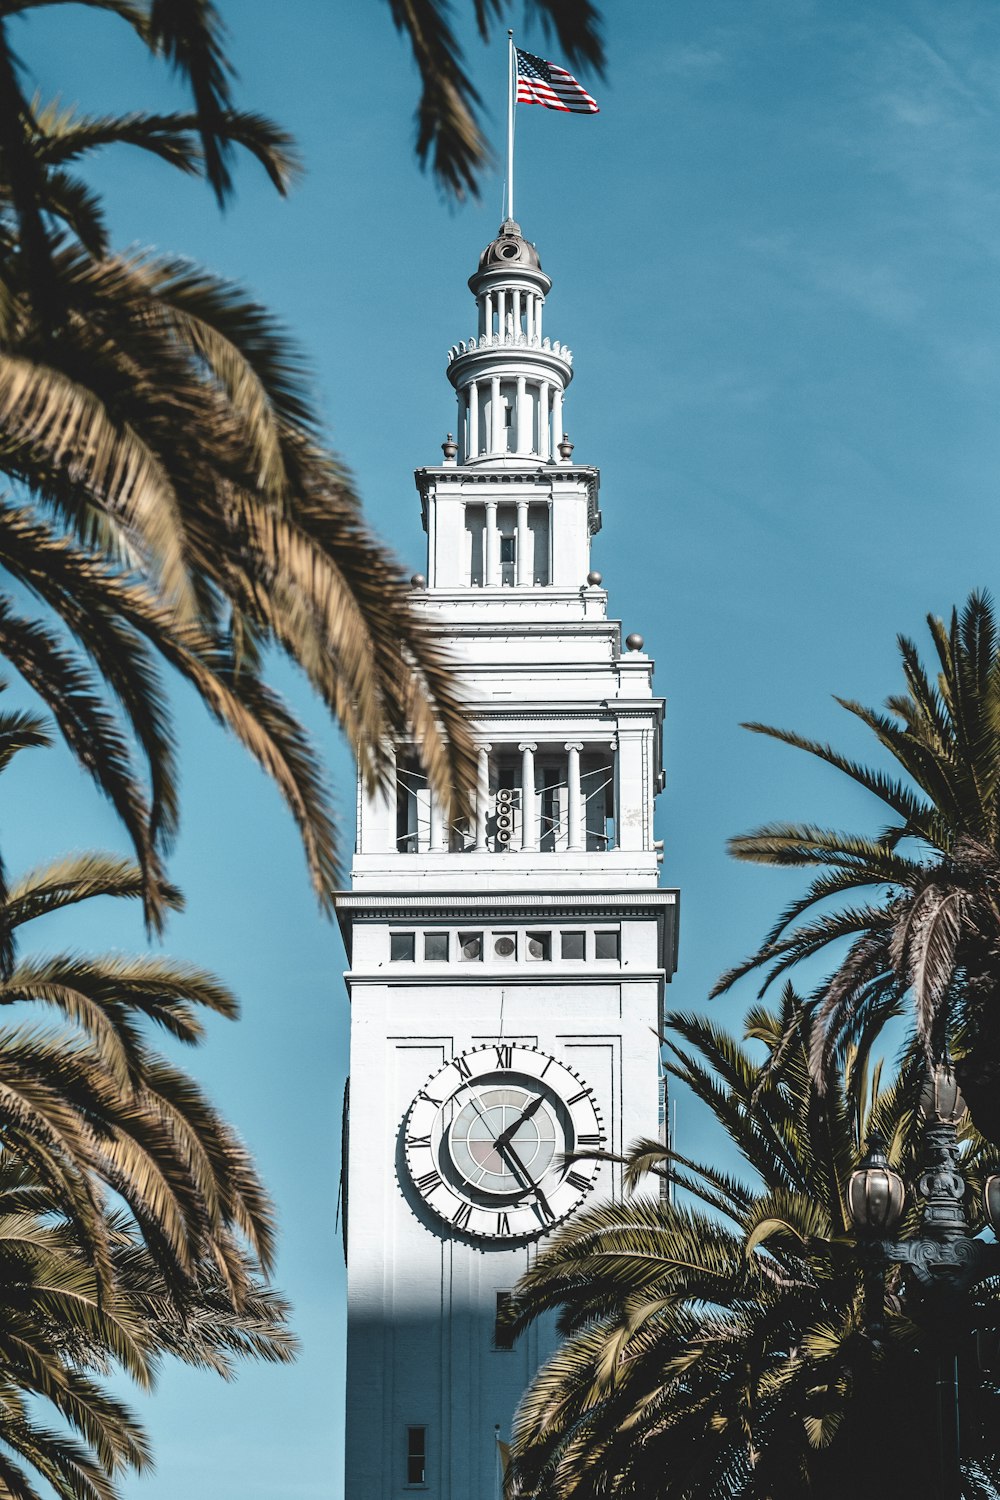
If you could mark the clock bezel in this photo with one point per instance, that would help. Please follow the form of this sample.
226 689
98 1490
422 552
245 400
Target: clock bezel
563 1188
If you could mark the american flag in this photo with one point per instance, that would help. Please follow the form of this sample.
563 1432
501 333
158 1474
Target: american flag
540 82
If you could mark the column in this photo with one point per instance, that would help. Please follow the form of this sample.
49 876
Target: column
523 444
438 843
543 419
575 840
460 429
482 796
491 561
529 317
516 295
474 419
557 419
501 314
496 425
538 319
524 558
488 314
529 815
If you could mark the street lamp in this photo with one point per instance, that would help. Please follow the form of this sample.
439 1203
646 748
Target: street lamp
943 1260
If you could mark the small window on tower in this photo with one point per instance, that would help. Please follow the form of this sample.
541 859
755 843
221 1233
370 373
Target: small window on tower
508 560
402 947
539 945
416 1455
436 947
503 1337
607 945
470 946
574 945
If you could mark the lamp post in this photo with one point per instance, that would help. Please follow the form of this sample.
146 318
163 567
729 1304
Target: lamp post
942 1261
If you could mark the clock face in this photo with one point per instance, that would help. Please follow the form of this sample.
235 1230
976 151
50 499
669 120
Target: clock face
486 1136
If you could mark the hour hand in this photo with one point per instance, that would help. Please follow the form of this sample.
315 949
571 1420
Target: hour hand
526 1114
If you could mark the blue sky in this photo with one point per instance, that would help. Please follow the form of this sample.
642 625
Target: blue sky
775 256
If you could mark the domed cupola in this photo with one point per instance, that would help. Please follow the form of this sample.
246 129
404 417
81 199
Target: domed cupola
509 251
510 380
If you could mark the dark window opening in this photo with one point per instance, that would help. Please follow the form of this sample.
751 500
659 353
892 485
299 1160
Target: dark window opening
550 809
574 945
416 1455
436 947
607 945
402 947
508 560
503 1334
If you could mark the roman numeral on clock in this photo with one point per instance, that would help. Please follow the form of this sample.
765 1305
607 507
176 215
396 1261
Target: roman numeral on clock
504 1056
428 1098
428 1183
414 1142
577 1180
503 1224
590 1140
462 1067
463 1216
583 1094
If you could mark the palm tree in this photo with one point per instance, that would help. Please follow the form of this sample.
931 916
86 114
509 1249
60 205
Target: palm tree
61 1332
171 499
929 932
715 1343
133 1224
90 1105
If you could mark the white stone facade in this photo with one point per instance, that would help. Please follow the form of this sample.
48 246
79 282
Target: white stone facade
506 972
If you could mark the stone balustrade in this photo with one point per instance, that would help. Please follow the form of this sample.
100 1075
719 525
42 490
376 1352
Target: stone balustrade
512 341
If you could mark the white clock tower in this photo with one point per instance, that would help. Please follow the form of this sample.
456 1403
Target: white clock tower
507 971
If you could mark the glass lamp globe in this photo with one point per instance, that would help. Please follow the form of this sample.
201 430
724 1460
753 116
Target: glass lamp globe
991 1202
875 1191
941 1098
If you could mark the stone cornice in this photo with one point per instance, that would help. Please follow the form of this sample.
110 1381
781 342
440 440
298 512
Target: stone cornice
514 906
659 905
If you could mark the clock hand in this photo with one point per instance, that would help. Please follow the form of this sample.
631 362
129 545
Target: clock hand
526 1114
507 1150
511 1154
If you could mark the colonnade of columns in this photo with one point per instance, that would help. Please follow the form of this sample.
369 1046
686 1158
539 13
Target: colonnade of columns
497 438
511 310
524 551
531 809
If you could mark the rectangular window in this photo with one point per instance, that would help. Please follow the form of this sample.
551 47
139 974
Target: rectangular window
470 947
436 947
402 947
508 560
538 945
607 945
503 1338
416 1455
574 945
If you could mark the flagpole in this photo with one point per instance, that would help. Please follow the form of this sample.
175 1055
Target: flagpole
511 95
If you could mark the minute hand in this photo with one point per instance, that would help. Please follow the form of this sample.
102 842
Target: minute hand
512 1156
507 1135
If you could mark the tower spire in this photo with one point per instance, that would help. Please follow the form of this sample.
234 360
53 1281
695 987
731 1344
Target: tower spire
510 379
